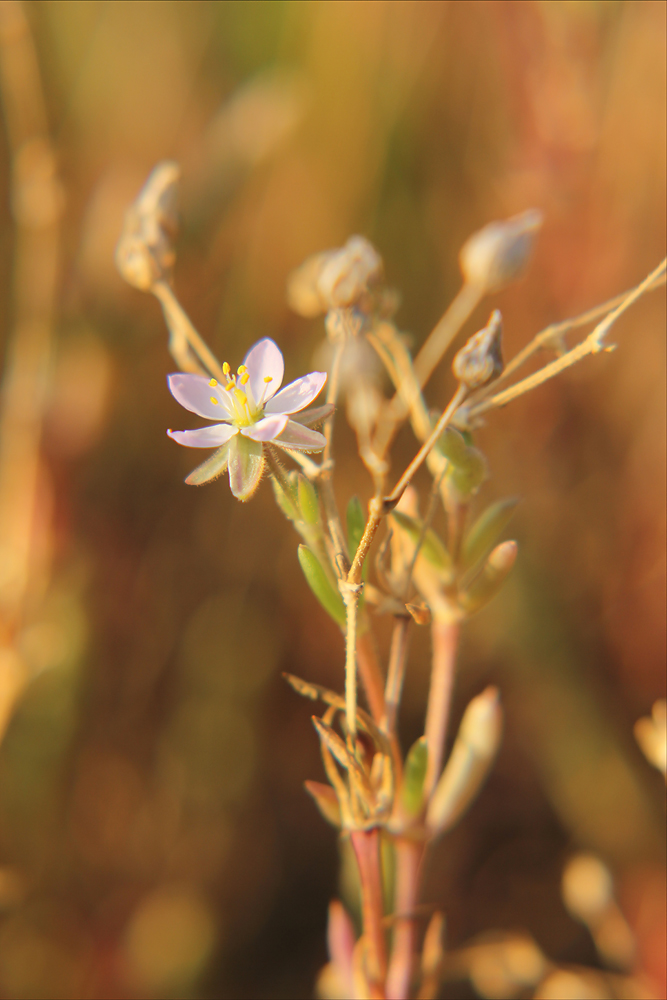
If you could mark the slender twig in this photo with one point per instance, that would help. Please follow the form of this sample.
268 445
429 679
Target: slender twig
551 333
369 671
593 344
442 335
396 670
366 844
409 854
182 329
445 638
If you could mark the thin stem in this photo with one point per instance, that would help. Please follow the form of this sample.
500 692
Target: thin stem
445 638
182 330
593 344
396 670
467 298
409 856
366 844
326 476
550 333
350 595
369 673
398 490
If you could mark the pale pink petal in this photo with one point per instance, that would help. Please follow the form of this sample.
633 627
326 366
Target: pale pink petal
297 394
196 394
266 429
300 438
204 437
263 361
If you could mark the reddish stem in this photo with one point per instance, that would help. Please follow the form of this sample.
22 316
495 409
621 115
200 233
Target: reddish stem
409 854
371 675
445 638
366 844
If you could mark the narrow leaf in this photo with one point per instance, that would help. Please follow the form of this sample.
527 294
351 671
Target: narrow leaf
487 584
320 585
308 503
486 530
326 801
356 522
413 777
432 548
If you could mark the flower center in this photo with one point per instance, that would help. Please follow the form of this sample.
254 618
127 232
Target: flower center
247 410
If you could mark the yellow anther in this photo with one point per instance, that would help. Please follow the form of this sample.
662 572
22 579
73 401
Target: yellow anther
245 378
241 370
230 385
213 383
268 378
241 396
214 400
226 368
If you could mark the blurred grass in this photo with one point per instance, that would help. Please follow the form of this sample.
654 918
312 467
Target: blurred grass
150 781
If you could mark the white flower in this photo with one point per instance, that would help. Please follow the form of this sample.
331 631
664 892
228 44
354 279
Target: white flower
250 413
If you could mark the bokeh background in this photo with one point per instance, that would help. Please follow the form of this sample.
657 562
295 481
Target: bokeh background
155 838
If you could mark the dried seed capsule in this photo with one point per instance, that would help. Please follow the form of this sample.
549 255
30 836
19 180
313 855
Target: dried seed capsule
495 255
145 253
481 360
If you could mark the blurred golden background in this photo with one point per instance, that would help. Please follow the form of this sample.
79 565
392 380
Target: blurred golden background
155 838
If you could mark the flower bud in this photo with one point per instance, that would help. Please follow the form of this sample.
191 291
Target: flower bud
348 273
485 531
145 252
303 295
495 255
481 360
475 747
485 586
320 585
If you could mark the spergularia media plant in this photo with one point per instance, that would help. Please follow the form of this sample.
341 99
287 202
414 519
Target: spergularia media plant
386 803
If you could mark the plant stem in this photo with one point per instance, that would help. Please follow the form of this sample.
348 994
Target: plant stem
409 855
467 298
366 844
445 636
183 333
370 674
334 523
396 671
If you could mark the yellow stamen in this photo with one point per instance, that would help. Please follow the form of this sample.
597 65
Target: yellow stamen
241 370
268 378
230 385
226 368
213 383
241 396
214 400
245 378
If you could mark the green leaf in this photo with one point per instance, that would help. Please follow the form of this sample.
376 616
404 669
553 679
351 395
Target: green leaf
320 585
432 548
413 777
453 446
308 503
286 498
486 530
213 467
487 584
468 476
356 522
246 464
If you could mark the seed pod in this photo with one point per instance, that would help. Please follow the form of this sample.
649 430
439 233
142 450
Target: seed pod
308 504
485 531
488 583
495 255
320 585
145 253
412 793
326 801
481 360
348 272
475 746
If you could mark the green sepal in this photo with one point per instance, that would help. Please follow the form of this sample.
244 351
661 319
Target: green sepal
308 503
286 497
432 548
486 530
453 445
356 522
412 792
246 464
213 467
320 585
468 467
